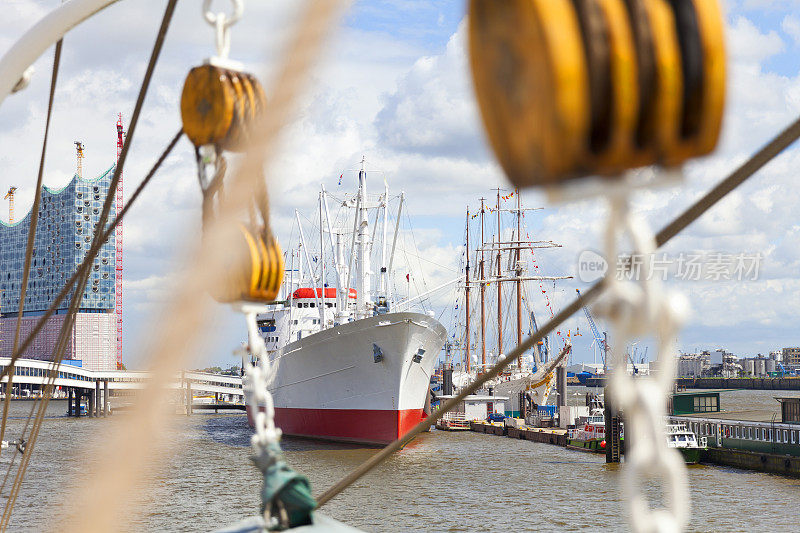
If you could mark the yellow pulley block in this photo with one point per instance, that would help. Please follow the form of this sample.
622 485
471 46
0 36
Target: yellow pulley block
531 82
207 105
259 277
646 83
661 96
272 267
699 27
219 105
614 85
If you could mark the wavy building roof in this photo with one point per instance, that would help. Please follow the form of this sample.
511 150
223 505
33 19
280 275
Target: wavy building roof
67 218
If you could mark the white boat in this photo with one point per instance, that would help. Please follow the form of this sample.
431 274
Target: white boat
350 367
679 436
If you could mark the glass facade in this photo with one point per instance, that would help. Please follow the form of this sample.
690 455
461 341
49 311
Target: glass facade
67 218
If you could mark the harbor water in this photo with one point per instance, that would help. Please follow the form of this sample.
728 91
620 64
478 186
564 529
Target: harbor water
440 482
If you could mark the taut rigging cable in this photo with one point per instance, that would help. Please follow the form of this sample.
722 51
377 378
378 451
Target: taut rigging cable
769 151
83 272
26 269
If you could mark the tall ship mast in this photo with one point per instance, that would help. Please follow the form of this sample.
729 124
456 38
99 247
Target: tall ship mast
508 274
354 361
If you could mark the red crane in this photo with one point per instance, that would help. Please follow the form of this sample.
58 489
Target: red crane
118 249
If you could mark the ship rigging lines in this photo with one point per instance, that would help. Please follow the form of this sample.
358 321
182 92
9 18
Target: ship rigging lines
79 279
768 152
169 346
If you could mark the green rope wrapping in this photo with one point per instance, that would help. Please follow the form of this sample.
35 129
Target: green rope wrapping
286 495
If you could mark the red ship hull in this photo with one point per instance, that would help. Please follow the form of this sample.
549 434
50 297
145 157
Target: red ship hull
363 426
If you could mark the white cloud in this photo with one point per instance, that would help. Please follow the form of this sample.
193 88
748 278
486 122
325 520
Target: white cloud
410 110
791 26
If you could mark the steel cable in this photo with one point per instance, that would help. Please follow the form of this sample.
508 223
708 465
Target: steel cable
83 274
96 243
52 375
98 505
26 269
768 152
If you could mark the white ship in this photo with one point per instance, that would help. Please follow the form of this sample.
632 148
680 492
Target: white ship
352 365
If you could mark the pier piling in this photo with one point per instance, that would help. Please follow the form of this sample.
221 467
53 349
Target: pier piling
105 397
97 399
613 427
90 409
189 397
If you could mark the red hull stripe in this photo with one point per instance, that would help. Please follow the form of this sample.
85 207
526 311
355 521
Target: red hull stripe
350 425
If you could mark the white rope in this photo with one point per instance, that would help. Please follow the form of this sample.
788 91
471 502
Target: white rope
256 380
636 307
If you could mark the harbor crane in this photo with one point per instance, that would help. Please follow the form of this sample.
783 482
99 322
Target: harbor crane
602 342
10 197
599 340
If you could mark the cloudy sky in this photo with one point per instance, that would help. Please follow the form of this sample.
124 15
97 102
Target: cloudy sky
394 87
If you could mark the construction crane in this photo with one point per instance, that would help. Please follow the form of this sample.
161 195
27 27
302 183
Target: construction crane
600 340
118 264
10 197
79 149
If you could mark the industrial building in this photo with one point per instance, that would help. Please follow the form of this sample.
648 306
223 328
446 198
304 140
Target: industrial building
67 219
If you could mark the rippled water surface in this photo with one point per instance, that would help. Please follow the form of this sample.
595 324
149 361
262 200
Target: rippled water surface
440 482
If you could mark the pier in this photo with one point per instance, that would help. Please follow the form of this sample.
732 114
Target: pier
748 383
90 392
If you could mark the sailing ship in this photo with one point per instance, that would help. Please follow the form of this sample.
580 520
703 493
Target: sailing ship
502 262
353 362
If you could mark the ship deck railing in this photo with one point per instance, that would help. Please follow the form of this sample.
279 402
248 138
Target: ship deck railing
456 420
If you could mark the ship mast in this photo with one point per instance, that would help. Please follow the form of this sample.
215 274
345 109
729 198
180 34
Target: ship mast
483 294
499 284
518 270
466 298
363 297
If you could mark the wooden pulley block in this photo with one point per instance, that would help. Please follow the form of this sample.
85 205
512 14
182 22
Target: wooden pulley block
207 105
259 277
218 106
531 82
699 27
272 267
569 88
660 80
608 42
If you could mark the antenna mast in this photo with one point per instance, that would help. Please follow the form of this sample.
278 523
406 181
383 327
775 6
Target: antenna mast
118 247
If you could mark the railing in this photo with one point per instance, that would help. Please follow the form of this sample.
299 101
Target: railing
455 420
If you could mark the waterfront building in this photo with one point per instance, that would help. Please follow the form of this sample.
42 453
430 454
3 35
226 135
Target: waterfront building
67 218
791 356
693 365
